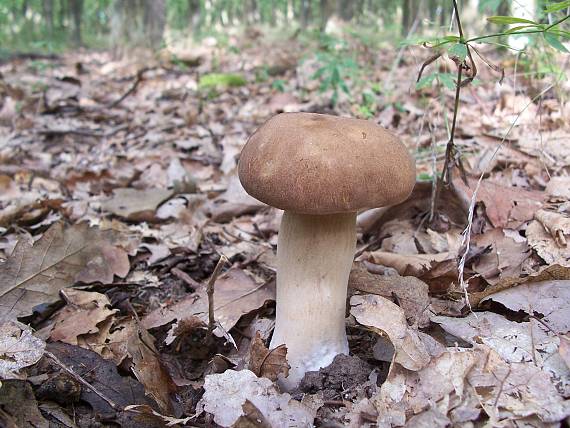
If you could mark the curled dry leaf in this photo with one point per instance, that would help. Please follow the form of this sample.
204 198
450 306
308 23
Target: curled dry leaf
226 393
558 225
34 274
383 316
83 312
18 349
412 294
417 265
550 300
546 273
148 368
265 362
235 294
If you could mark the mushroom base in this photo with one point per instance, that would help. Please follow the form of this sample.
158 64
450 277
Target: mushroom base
314 254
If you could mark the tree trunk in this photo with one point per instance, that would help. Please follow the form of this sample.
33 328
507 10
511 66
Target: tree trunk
154 20
77 12
48 16
305 13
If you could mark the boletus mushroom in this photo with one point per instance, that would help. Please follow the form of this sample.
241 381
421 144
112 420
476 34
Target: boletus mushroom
320 170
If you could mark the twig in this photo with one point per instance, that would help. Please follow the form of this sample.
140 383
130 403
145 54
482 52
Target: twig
501 386
133 88
466 234
210 292
84 382
83 132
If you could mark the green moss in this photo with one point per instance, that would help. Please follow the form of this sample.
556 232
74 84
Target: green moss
221 81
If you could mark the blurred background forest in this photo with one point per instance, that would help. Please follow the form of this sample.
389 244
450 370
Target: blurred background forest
52 25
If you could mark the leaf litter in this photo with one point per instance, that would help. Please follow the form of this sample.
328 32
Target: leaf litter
112 221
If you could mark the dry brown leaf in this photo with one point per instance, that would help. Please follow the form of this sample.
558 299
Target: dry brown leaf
83 312
235 294
546 247
233 202
383 316
558 225
148 369
412 294
34 275
553 272
515 342
136 205
267 363
558 188
409 264
18 406
505 258
18 349
226 393
251 418
548 299
508 207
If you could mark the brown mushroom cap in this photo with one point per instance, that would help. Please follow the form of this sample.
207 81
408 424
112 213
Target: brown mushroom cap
320 164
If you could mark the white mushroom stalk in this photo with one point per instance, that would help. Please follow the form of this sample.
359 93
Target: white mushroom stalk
314 256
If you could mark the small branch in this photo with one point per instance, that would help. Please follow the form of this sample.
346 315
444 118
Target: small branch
84 382
83 132
133 88
210 292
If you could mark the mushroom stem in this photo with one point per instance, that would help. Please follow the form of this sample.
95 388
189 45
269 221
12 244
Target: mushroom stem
314 257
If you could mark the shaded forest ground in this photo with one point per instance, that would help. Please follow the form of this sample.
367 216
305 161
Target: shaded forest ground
144 151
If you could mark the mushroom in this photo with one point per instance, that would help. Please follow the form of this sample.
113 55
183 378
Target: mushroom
320 170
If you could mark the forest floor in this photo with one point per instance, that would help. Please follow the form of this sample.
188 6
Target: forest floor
119 195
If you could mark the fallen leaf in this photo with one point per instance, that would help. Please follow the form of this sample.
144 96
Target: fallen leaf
383 316
18 406
251 418
550 300
83 312
235 294
34 274
136 205
226 393
515 342
18 349
412 294
102 375
267 363
417 265
558 188
148 368
505 206
235 201
558 225
505 260
546 273
147 411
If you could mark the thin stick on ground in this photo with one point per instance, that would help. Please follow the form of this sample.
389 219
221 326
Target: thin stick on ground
132 89
84 382
210 292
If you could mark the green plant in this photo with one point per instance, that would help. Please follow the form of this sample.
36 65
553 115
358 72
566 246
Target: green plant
336 66
278 85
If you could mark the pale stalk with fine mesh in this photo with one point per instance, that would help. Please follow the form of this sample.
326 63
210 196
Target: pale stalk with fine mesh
314 256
